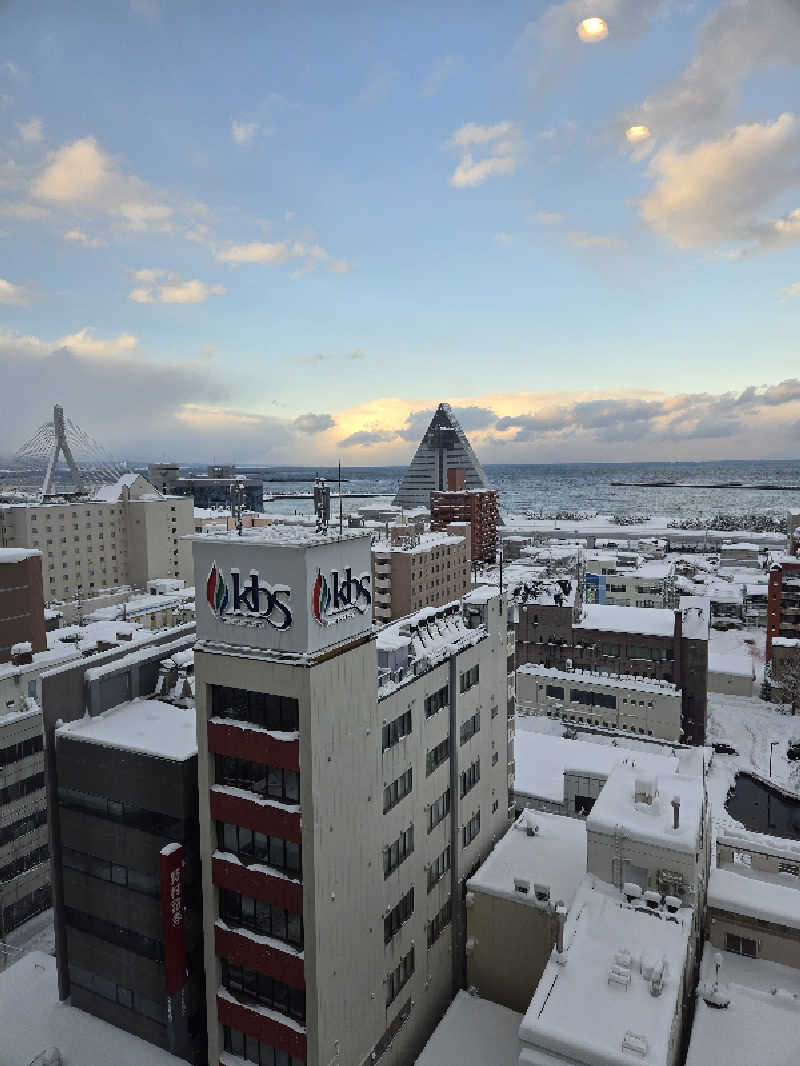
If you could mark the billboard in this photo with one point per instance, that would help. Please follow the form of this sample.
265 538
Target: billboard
283 589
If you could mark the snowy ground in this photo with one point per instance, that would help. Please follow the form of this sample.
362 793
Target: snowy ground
37 934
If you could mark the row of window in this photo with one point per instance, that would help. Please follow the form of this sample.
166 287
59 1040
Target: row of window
124 813
125 997
439 867
593 699
399 977
471 829
469 678
398 916
24 862
437 925
436 756
398 851
252 1050
128 939
22 827
15 752
251 846
240 910
272 781
437 700
268 991
20 910
397 790
263 709
115 873
470 777
21 788
579 719
396 730
438 810
470 727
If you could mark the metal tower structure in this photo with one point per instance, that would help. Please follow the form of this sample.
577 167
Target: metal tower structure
62 437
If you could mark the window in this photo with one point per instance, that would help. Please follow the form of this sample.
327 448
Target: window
15 752
439 923
399 788
554 692
125 997
469 678
398 851
439 867
128 939
265 918
251 846
470 728
741 945
471 829
115 873
126 813
257 1051
396 730
398 916
24 862
437 700
470 777
21 788
258 708
438 810
436 756
593 699
789 868
495 757
254 987
22 827
271 781
399 977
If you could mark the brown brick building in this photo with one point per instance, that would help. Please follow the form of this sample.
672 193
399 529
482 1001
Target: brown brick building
783 601
476 506
21 601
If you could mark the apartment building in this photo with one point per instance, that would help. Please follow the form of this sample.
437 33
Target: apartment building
478 507
24 850
412 570
348 787
648 583
212 489
783 600
125 534
129 910
646 706
662 644
21 602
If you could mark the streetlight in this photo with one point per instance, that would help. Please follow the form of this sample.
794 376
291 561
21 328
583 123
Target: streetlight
772 744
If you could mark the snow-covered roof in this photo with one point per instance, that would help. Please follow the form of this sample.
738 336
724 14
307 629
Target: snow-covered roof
739 663
555 855
113 492
755 896
595 677
541 759
33 1020
645 621
760 1025
616 807
786 642
17 555
597 1007
283 535
417 543
147 726
482 594
473 1032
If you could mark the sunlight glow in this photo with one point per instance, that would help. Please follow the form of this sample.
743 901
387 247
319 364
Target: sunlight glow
592 29
637 133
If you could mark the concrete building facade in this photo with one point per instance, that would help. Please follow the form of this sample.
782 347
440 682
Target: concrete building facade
212 489
337 827
414 570
125 535
21 602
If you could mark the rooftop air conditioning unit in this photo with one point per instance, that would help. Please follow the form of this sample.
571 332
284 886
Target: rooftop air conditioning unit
522 885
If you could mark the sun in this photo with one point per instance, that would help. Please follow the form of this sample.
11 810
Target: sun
637 133
592 29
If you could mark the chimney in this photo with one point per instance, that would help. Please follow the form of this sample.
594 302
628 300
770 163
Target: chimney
676 812
561 918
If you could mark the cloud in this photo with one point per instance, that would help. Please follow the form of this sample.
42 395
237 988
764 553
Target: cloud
737 38
161 286
244 132
445 68
790 290
359 353
365 437
579 238
307 255
83 342
255 252
715 193
31 131
17 295
311 423
504 238
77 236
550 218
502 141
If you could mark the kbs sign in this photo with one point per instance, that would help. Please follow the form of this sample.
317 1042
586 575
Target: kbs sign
333 601
246 604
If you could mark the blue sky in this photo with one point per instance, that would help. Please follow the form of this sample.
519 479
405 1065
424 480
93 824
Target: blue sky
283 232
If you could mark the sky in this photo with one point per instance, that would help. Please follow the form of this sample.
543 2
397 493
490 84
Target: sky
282 232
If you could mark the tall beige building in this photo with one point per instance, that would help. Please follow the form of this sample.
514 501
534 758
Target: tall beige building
412 570
126 534
349 785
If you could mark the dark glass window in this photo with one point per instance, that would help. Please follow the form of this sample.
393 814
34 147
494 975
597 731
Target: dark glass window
268 991
272 781
264 709
265 918
252 847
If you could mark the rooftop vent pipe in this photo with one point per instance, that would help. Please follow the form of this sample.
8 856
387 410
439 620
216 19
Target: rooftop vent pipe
561 918
676 812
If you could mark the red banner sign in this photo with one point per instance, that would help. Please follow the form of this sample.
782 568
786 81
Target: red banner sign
172 917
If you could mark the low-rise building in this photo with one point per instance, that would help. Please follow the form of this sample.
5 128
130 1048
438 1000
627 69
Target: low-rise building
783 600
630 582
740 554
731 672
212 489
474 1032
21 602
414 570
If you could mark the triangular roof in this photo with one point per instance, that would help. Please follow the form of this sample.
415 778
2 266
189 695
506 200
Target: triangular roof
443 447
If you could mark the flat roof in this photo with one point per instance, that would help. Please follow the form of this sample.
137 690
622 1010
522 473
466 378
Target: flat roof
554 856
17 555
580 1012
754 895
474 1032
281 535
646 621
33 1020
150 727
596 677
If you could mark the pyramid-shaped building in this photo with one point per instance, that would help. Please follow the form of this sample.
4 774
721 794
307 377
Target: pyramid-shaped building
444 447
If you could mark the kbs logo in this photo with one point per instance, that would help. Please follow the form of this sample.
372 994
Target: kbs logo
332 603
254 603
